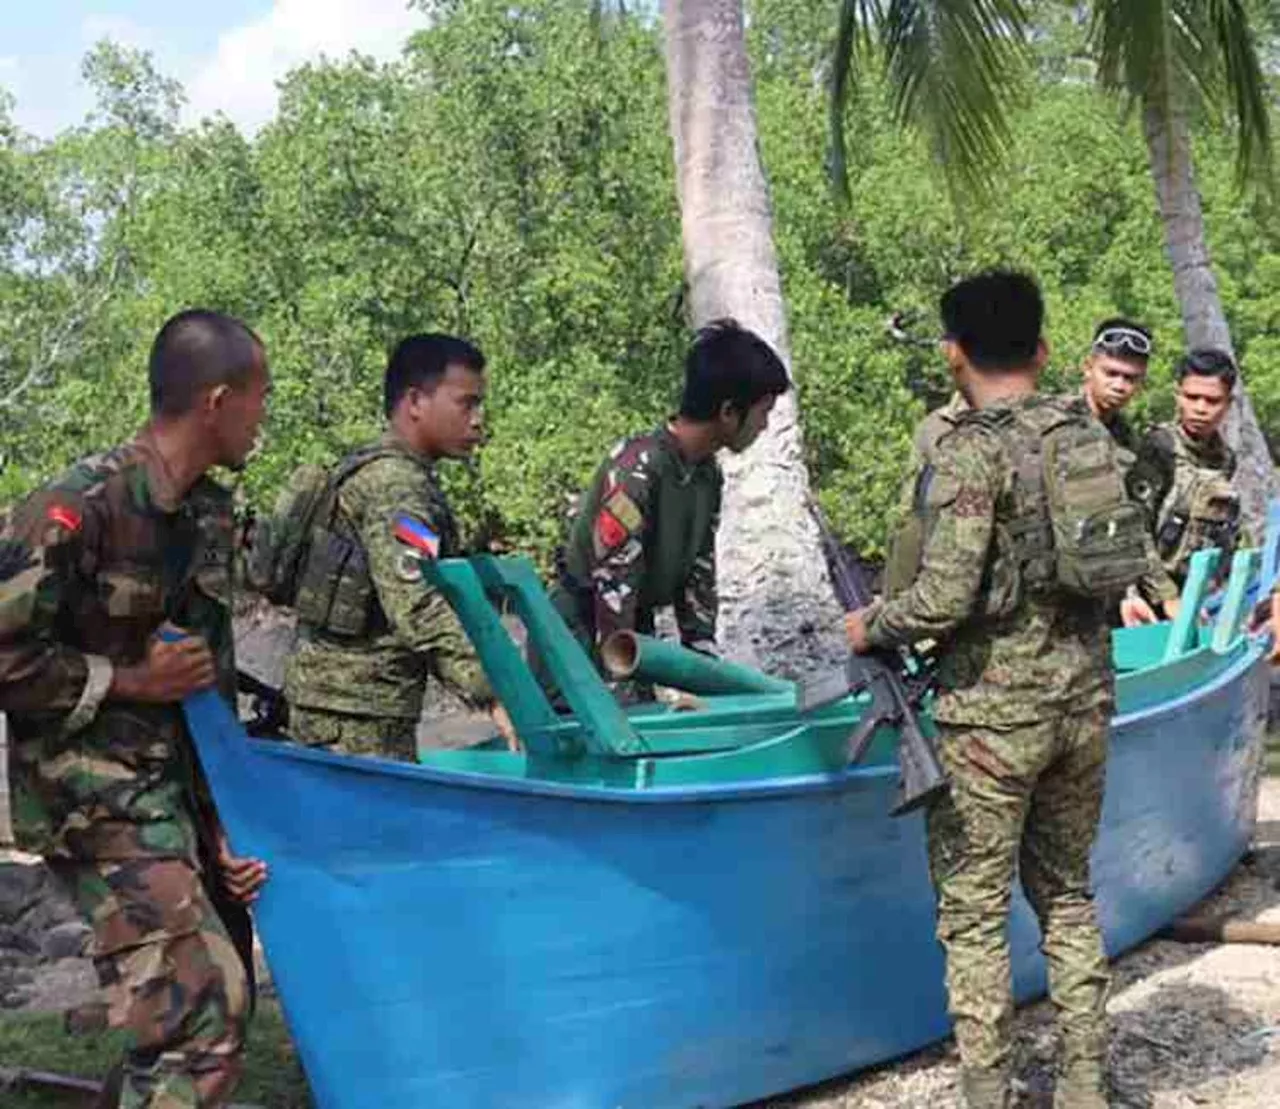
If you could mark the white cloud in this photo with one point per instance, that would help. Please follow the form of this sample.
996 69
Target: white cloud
240 77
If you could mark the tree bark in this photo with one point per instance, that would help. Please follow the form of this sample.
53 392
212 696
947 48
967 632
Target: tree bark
1204 323
776 607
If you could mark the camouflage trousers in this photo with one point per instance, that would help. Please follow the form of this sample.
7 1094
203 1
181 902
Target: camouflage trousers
173 979
1023 801
389 737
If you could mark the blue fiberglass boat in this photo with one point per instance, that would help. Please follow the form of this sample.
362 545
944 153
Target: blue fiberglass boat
662 910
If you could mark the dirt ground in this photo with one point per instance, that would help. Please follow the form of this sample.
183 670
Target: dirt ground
1191 1024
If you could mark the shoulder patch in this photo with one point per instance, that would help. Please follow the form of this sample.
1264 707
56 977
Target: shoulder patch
625 510
63 516
415 533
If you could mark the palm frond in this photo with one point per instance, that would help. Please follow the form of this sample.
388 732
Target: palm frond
952 67
857 18
1244 85
1173 56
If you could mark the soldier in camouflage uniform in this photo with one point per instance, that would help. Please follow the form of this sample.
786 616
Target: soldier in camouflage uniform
1025 693
105 779
644 535
1114 370
371 632
1183 471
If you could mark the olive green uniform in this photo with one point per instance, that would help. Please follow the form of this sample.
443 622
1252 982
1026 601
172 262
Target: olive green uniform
643 537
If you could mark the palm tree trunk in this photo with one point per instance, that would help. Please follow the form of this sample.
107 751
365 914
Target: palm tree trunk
1204 323
776 607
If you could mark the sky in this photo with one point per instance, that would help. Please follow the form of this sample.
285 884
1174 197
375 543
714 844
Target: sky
228 54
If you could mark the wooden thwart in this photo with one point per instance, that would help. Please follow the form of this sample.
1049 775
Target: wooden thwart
1200 929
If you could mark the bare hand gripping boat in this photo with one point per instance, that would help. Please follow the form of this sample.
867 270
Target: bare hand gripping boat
659 910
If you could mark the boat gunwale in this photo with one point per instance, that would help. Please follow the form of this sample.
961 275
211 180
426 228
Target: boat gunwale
752 789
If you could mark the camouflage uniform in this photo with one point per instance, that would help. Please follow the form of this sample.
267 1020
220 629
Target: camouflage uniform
924 443
1156 587
644 536
1025 693
1185 486
361 692
110 791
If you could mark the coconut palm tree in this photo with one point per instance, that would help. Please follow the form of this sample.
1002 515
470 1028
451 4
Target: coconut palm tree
772 580
775 598
1172 59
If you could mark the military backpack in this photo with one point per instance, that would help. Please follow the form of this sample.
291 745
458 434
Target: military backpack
1074 528
301 556
1070 527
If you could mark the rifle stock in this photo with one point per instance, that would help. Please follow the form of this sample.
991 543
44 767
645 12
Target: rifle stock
893 680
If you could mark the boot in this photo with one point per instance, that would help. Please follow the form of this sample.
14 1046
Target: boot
1081 1086
986 1089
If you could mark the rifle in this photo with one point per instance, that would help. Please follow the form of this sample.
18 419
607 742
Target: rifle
270 710
895 680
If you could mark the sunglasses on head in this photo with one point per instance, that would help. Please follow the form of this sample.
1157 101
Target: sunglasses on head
1122 340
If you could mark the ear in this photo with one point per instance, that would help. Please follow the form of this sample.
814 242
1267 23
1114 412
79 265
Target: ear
216 398
1042 353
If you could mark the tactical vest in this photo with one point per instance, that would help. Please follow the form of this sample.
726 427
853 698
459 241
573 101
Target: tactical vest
305 556
1066 525
1201 510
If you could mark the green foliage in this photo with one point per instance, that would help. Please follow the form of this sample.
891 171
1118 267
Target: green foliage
40 1042
510 178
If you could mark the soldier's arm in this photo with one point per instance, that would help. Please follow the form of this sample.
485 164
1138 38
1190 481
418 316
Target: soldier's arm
1150 477
1156 585
40 552
698 602
617 544
419 615
960 498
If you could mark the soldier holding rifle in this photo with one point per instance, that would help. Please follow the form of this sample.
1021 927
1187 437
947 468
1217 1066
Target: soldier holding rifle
1000 578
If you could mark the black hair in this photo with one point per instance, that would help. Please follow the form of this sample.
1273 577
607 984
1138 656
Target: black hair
421 361
197 350
1207 362
996 318
727 364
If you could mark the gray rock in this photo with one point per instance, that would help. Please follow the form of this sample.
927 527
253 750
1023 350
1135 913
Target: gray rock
21 886
66 941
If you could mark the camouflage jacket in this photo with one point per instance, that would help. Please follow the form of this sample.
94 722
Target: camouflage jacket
645 536
1006 659
412 632
90 566
1177 476
1156 585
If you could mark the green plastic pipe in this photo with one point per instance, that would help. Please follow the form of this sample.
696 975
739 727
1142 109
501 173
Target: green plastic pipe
607 731
626 654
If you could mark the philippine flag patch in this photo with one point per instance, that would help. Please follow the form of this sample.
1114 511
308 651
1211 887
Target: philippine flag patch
414 533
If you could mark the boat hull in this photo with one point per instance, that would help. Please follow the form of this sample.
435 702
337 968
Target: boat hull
447 939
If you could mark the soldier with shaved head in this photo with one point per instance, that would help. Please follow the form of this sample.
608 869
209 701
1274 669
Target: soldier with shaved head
106 783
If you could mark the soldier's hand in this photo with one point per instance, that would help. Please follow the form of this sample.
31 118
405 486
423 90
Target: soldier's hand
502 721
855 629
172 670
1135 611
242 877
